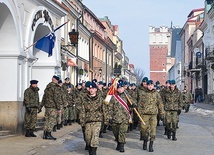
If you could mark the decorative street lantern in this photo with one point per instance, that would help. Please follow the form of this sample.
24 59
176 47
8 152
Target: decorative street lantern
73 36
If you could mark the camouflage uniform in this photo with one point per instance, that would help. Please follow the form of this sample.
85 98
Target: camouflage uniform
31 102
119 118
187 99
93 111
52 101
173 104
149 104
133 94
141 92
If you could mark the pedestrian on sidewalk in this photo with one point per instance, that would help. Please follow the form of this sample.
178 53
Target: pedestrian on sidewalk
31 103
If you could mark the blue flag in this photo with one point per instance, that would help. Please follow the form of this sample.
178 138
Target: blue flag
46 43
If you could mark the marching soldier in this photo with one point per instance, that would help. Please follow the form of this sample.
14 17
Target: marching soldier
31 103
141 90
187 99
120 116
93 112
173 107
52 101
149 104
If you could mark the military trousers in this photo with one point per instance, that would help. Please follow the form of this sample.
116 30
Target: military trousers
72 114
30 118
119 131
50 119
171 120
65 114
92 131
149 129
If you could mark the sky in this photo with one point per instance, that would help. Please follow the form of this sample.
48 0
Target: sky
134 18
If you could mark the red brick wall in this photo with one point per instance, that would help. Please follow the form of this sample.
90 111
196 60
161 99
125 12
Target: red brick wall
158 63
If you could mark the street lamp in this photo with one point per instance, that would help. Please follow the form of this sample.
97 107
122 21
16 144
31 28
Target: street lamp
73 36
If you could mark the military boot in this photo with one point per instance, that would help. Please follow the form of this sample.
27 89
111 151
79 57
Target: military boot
151 146
86 147
49 136
54 128
145 144
174 136
122 147
168 133
31 133
118 146
165 131
27 133
65 122
90 150
94 151
69 122
58 126
44 135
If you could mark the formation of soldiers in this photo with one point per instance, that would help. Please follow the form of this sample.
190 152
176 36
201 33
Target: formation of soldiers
130 106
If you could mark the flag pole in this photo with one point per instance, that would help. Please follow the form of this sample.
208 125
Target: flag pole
45 35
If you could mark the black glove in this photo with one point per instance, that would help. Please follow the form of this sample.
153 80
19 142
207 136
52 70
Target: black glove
179 112
134 105
28 110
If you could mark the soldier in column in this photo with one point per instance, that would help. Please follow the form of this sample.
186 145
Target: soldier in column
187 100
52 102
133 94
141 90
173 107
31 103
149 104
120 116
94 111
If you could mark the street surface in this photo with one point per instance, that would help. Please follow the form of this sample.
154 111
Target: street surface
195 136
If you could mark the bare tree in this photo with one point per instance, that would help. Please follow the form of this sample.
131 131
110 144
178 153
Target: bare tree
139 75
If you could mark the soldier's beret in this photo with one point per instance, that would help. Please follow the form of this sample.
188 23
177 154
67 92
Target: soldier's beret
60 81
69 86
67 78
100 83
172 82
120 81
94 80
133 84
168 81
93 85
119 85
125 83
157 83
145 79
56 77
79 84
109 84
33 82
149 82
87 84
